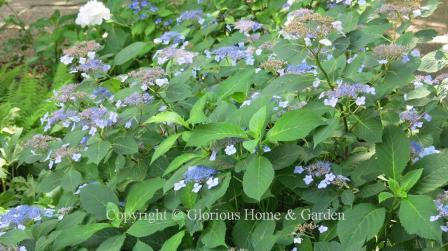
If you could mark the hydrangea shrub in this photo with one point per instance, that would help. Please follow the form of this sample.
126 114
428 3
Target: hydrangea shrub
187 114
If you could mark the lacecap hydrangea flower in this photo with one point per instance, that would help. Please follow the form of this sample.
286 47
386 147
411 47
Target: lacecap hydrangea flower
92 13
198 175
321 169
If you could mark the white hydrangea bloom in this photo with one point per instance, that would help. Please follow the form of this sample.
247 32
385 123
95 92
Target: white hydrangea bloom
92 13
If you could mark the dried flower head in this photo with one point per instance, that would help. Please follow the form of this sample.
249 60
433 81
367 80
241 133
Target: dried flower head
273 65
305 23
68 93
82 49
389 51
180 56
146 75
40 142
398 10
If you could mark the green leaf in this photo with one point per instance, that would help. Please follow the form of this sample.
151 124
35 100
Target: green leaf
435 172
167 117
262 237
130 52
368 129
258 177
415 212
71 180
360 224
197 114
384 196
77 234
164 147
411 178
142 228
94 199
393 153
97 151
433 61
173 243
215 235
203 134
114 243
294 125
327 131
257 122
239 82
141 192
125 144
141 246
179 160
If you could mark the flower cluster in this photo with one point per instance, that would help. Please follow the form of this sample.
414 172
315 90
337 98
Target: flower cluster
442 210
140 7
170 36
92 13
82 49
96 117
198 175
86 57
246 26
18 217
301 68
342 90
101 94
413 117
65 151
386 52
191 15
302 229
40 142
180 56
321 169
233 53
273 65
146 77
135 99
399 10
418 151
68 93
304 23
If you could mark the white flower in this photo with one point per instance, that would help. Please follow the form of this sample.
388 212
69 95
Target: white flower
383 61
258 52
360 100
76 157
417 13
92 13
434 218
337 25
257 70
297 240
157 41
283 104
331 101
308 42
298 169
179 185
322 229
22 248
308 179
230 150
91 54
266 149
213 156
161 81
128 124
196 187
212 182
316 83
66 59
325 42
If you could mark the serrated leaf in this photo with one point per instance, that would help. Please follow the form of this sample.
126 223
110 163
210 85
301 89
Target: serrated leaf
369 129
239 82
164 146
393 153
215 235
77 234
294 125
113 243
167 117
178 161
415 212
435 172
204 134
94 199
360 224
258 177
173 242
141 192
257 122
97 151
